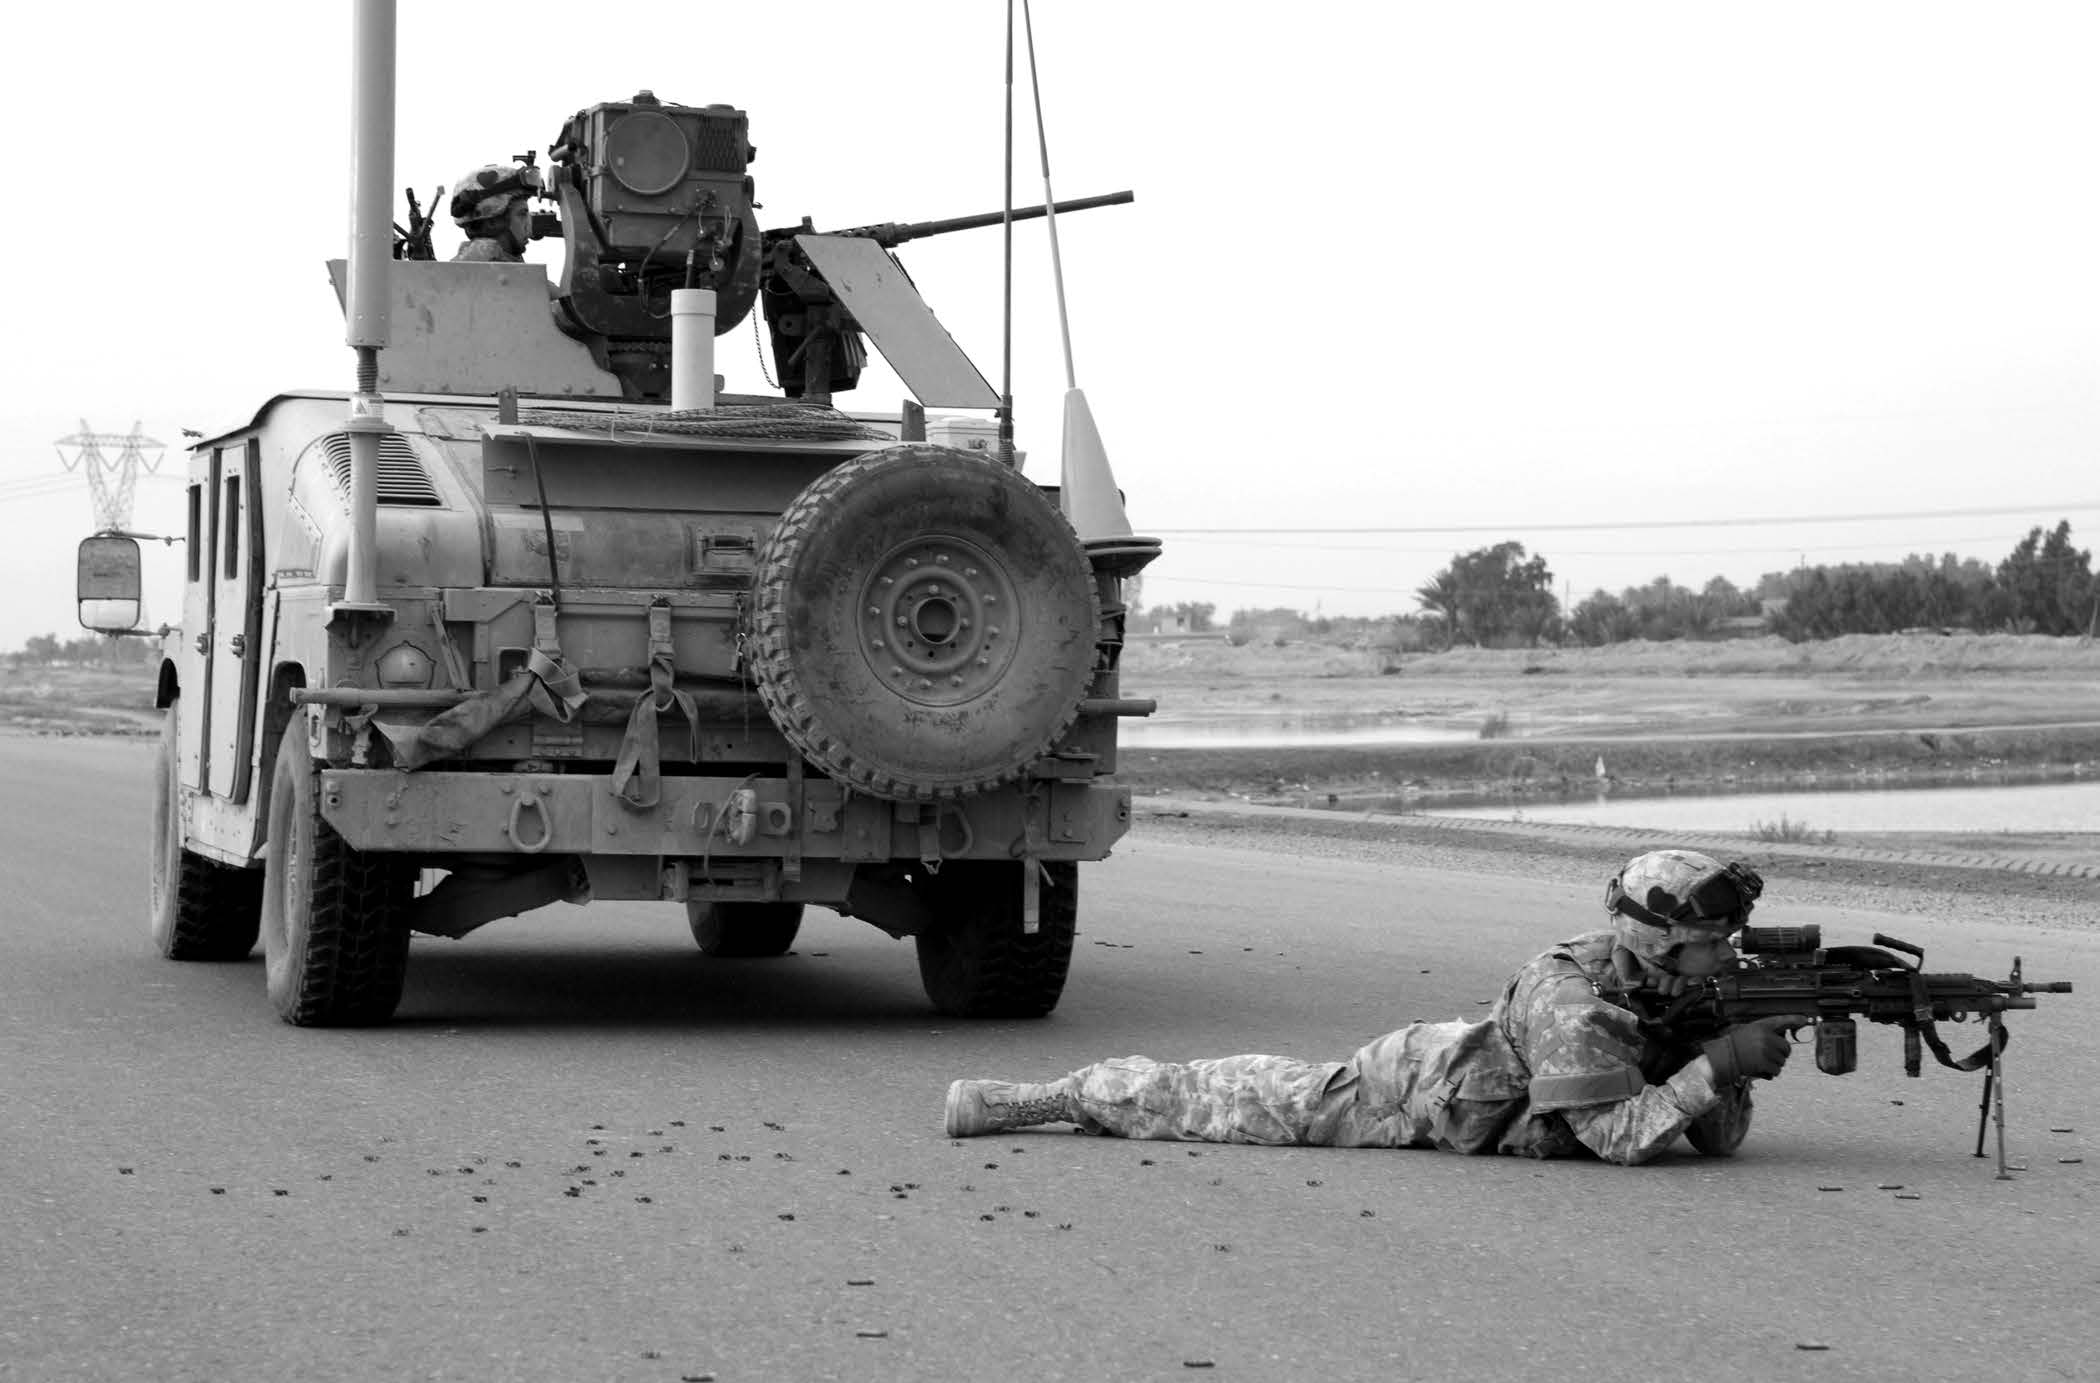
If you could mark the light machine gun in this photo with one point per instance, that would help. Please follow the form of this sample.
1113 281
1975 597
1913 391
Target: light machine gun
817 350
1788 970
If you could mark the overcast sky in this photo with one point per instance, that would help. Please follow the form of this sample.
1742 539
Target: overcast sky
1500 270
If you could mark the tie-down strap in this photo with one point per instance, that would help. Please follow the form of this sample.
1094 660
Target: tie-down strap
637 776
546 683
557 688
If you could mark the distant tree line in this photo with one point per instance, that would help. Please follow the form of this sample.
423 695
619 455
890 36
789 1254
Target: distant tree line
1495 597
46 650
1502 597
2044 586
1659 610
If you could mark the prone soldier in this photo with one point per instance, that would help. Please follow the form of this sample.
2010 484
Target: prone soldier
1563 1065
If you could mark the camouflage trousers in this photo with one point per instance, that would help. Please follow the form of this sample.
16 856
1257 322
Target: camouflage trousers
1379 1098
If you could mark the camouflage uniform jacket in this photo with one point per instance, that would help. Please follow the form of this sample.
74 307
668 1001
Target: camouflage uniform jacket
1561 1064
484 249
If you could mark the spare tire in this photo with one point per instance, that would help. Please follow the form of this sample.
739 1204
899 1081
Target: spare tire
923 623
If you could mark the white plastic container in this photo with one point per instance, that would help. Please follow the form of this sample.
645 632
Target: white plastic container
965 433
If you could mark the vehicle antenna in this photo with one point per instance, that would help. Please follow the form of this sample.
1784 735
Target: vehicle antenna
1006 315
1086 483
1042 140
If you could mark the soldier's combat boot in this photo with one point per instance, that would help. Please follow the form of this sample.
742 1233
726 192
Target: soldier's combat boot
992 1106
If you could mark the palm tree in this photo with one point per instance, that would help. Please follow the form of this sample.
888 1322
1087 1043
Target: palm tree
1440 598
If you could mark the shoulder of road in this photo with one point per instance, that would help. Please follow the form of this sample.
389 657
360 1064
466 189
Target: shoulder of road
1312 817
2057 886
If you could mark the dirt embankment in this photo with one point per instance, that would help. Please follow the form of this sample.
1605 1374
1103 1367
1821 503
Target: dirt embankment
46 700
1753 713
2024 882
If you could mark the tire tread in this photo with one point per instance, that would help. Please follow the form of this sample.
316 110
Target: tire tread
218 910
354 960
980 964
212 911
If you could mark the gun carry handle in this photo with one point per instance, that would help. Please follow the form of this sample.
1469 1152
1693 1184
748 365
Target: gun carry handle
1884 939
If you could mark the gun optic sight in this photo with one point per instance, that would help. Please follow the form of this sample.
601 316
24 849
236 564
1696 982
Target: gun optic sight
1776 941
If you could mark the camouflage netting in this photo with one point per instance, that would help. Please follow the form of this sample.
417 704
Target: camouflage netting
783 421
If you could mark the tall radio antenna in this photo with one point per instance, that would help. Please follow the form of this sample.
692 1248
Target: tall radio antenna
1086 483
1006 314
1042 143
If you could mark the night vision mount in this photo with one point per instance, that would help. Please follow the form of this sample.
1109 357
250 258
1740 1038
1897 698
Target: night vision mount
653 197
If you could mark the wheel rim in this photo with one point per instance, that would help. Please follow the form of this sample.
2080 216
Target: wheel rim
939 620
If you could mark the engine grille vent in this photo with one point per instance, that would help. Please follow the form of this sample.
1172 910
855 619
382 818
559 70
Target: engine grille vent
402 479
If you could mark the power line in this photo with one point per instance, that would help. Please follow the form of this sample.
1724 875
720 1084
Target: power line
1280 586
1768 521
1559 552
28 492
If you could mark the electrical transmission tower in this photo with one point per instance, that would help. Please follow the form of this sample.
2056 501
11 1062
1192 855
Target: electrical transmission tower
110 482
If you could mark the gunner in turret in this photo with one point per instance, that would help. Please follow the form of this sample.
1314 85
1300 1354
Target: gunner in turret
493 205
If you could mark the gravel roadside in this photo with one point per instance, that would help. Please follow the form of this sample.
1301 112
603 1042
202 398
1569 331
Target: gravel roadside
2028 890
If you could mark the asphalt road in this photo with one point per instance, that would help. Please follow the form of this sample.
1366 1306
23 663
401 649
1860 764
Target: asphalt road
587 1153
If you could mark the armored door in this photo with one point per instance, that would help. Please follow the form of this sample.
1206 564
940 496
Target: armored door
236 633
193 655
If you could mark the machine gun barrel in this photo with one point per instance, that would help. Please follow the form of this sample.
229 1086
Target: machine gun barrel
889 234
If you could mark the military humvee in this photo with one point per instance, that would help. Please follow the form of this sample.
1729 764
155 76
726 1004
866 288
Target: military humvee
533 616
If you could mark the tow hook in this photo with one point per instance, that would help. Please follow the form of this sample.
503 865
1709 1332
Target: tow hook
530 801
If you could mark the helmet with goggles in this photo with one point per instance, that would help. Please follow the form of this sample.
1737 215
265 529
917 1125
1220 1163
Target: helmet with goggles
489 192
1666 891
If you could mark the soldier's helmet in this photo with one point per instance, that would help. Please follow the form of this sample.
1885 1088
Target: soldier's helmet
486 193
1667 891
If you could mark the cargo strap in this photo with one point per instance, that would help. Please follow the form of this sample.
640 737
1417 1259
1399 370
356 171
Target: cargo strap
448 652
637 776
557 689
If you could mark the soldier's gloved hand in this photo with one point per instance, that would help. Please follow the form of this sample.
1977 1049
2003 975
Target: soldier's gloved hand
1753 1051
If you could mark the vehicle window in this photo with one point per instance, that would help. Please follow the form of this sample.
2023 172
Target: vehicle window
232 526
196 541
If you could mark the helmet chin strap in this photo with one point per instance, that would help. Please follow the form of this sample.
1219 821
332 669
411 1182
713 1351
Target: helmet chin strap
1632 969
1637 972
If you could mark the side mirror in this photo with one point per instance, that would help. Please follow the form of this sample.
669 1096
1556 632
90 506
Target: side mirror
108 586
